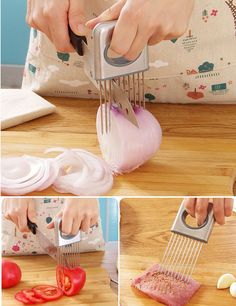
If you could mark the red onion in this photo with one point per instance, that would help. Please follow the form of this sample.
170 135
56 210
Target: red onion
126 146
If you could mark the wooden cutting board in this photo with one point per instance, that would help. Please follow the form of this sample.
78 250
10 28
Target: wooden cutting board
144 234
197 155
41 270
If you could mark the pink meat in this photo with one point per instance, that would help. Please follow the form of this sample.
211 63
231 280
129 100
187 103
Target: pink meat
166 289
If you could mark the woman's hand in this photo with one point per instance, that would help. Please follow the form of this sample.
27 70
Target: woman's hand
52 18
17 210
144 22
198 207
78 214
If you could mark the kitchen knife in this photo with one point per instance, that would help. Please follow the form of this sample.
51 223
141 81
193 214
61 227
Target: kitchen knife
44 242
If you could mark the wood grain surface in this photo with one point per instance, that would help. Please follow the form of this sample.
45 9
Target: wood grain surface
41 270
197 156
144 234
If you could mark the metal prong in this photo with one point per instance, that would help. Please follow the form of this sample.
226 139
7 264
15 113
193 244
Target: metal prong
110 102
101 104
129 88
134 90
143 94
105 98
139 95
124 87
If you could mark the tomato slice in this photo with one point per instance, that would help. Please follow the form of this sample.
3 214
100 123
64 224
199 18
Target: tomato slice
70 281
47 292
30 295
19 296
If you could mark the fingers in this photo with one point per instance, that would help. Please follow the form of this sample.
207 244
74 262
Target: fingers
229 203
127 43
190 206
219 210
111 13
32 211
77 17
70 224
59 32
52 223
198 207
76 226
22 223
51 18
201 210
85 225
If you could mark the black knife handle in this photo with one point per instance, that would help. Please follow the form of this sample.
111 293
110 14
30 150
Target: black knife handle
32 226
76 42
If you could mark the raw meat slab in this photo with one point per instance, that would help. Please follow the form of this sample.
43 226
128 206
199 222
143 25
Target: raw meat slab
166 289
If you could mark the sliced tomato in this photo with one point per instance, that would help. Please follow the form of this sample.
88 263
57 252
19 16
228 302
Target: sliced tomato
19 296
30 295
47 292
70 281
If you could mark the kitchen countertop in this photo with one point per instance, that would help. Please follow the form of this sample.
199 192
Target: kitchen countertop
197 155
144 234
41 270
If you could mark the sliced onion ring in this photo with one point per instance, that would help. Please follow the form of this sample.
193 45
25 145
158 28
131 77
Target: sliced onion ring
81 173
125 147
25 174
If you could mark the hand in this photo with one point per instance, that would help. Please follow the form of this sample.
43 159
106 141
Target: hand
144 22
17 210
52 18
78 214
197 208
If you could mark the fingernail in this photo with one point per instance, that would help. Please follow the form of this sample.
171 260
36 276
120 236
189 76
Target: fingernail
82 29
112 54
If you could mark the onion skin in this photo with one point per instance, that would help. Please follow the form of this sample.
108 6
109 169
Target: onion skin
126 147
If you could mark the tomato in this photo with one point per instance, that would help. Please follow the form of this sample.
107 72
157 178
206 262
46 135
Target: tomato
70 281
30 295
19 296
47 292
11 274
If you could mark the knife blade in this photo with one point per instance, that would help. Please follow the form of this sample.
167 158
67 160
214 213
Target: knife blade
44 242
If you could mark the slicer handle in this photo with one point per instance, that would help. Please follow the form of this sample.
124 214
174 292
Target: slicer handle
32 226
76 42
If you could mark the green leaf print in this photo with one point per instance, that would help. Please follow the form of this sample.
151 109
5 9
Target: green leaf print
63 56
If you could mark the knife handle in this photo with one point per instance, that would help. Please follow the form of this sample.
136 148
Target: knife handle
76 42
32 226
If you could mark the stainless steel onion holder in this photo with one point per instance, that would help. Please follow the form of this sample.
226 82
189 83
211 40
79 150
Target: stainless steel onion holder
67 247
184 247
120 81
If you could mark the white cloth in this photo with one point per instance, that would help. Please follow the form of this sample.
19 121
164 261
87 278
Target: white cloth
19 106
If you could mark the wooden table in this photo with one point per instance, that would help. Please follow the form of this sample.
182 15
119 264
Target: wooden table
197 155
41 270
145 225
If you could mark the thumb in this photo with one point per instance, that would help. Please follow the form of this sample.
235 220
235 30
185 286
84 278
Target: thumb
51 224
31 212
111 13
77 17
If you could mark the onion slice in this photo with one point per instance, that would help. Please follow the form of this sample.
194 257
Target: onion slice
25 174
125 147
81 173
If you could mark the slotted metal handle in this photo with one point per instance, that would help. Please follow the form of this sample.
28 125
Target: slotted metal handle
200 233
63 239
